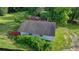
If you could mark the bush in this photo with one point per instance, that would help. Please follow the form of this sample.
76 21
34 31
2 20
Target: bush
3 11
34 42
21 17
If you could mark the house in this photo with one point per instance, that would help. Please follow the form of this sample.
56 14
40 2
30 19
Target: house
44 29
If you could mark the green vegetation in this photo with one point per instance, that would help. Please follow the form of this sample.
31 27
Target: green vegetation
6 44
60 42
3 11
65 18
7 23
35 42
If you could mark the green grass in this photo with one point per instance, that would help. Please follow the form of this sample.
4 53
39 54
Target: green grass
7 23
6 44
73 28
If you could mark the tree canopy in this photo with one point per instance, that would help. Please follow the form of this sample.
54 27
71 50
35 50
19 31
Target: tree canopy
57 14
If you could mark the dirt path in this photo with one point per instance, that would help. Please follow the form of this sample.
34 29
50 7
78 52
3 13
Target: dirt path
75 43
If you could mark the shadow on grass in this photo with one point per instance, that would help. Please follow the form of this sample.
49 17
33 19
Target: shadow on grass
7 49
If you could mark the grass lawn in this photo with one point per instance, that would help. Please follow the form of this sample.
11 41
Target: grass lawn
7 23
73 28
6 43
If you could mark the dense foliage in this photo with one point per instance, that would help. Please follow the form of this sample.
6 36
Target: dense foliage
75 13
35 42
3 11
60 15
57 14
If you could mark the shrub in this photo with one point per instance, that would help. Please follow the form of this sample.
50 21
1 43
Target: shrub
21 17
3 11
35 42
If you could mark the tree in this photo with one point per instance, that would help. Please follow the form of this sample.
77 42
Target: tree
60 15
3 11
32 10
15 9
75 13
41 12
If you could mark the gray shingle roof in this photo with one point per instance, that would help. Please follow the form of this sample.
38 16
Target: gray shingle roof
38 27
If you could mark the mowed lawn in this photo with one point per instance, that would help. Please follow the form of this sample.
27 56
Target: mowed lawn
7 23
